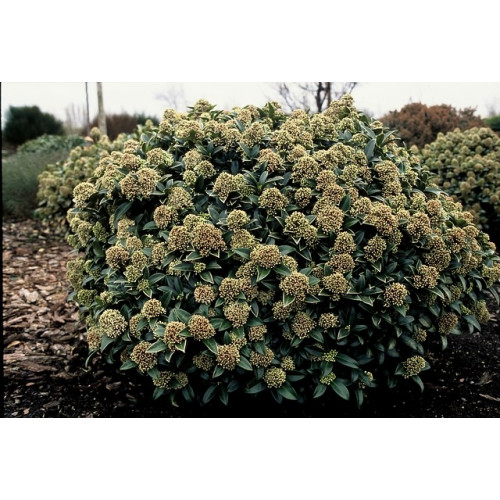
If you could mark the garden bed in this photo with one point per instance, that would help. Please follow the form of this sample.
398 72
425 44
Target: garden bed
45 353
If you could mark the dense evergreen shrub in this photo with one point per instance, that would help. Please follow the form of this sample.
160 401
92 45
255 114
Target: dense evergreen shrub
253 251
494 123
467 166
57 181
46 143
20 180
28 122
418 124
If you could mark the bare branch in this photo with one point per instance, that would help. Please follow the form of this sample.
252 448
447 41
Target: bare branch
316 96
174 97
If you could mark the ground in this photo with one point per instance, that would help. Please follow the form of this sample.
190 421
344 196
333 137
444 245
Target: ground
45 352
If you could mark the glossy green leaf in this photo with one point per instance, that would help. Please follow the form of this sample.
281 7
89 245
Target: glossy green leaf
287 391
340 388
211 344
158 346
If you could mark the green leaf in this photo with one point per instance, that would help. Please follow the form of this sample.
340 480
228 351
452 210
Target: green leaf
262 273
344 332
400 370
181 315
121 211
97 249
282 270
183 266
158 392
158 346
320 390
401 310
409 342
211 344
242 252
207 276
288 392
425 321
209 394
223 396
472 321
105 341
418 381
345 360
127 365
260 347
287 299
245 364
150 225
255 387
359 397
317 335
345 204
286 249
444 342
221 324
254 322
155 278
193 256
340 388
218 371
369 149
438 292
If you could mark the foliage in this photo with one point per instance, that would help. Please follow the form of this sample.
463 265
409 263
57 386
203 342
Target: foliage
46 143
254 251
57 181
467 166
494 123
29 122
419 124
20 180
123 123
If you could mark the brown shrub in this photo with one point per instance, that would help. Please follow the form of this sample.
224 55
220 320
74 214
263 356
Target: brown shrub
419 124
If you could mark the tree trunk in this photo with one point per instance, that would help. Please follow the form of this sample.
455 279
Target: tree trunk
87 104
101 116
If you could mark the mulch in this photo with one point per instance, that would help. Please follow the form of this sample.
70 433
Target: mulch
45 372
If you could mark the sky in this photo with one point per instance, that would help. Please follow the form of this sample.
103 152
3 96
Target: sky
152 98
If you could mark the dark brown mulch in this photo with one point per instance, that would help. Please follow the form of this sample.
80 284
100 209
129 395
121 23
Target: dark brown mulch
45 352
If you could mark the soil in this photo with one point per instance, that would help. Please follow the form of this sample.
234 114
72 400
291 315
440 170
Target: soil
44 354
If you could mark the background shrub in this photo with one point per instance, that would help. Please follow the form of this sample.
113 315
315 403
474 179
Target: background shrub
418 124
20 180
253 251
123 123
47 143
467 166
28 122
494 123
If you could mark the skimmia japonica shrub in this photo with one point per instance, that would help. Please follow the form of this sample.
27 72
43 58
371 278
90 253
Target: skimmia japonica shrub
58 180
467 166
252 251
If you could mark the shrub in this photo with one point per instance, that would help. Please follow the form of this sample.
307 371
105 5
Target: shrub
57 181
20 180
419 124
46 143
253 251
467 166
28 122
123 123
494 123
